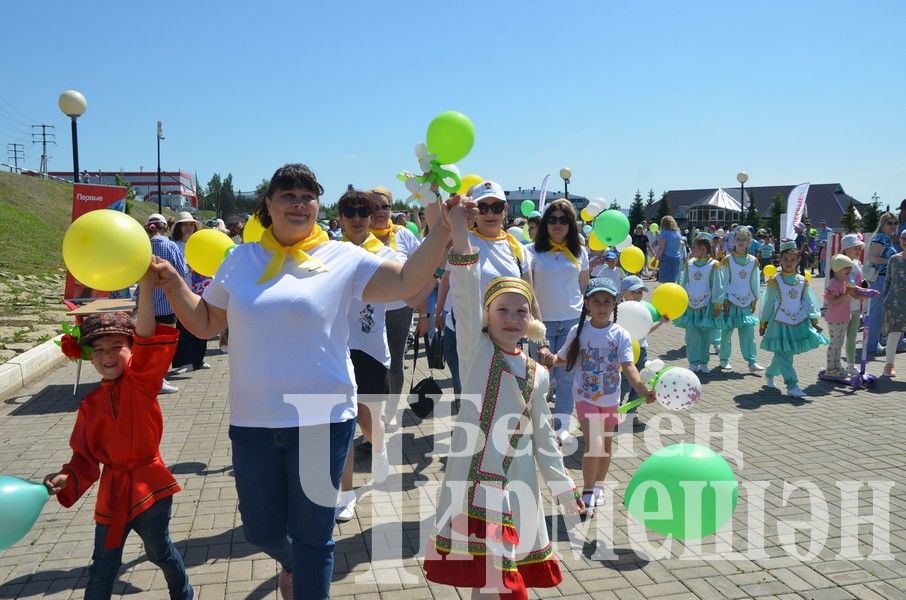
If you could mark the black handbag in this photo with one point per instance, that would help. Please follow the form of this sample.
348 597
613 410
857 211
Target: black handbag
434 350
423 393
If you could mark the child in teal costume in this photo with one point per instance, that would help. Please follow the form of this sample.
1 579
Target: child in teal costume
789 320
742 277
704 283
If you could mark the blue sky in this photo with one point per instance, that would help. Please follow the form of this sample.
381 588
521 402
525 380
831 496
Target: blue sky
663 95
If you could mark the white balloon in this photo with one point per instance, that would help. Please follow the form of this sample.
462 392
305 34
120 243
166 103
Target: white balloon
516 232
678 388
647 374
634 318
625 243
594 209
656 365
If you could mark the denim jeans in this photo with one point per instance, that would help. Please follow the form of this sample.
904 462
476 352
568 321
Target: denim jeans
875 316
561 379
153 526
288 508
452 358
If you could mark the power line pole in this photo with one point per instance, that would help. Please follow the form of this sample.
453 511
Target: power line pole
15 152
44 141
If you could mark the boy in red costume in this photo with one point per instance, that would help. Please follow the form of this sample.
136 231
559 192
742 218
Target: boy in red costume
119 425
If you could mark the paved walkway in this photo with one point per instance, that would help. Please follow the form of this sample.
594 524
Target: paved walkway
834 436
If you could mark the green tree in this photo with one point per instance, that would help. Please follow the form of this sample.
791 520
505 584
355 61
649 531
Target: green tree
131 194
228 202
637 210
650 199
870 217
850 220
213 194
752 216
777 207
663 209
614 205
261 188
199 193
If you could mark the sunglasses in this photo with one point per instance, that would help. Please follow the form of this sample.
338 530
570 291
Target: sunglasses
561 220
496 207
352 211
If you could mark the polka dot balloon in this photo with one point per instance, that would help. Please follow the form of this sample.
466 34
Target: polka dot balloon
678 388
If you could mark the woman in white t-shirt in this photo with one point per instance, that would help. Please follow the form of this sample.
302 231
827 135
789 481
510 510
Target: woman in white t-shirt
559 273
500 255
292 391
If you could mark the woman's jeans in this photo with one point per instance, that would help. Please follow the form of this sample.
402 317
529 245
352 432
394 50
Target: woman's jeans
288 508
153 526
875 316
561 379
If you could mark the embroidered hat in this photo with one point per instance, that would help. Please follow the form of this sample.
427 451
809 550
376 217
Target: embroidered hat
840 262
504 285
97 325
787 245
851 240
631 284
601 284
487 189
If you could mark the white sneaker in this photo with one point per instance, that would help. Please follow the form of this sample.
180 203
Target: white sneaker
204 366
598 496
345 506
180 370
589 500
380 466
754 367
166 388
568 442
726 366
769 382
795 392
704 369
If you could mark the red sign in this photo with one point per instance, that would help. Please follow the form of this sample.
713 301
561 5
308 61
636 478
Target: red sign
86 198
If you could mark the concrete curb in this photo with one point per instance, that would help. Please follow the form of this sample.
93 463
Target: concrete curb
21 370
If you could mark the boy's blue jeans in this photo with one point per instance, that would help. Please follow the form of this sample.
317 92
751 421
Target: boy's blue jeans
153 526
288 508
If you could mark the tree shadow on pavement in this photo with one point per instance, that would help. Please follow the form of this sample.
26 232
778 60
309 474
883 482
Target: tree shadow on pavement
57 398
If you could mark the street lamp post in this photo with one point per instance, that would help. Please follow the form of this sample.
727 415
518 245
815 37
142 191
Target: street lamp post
160 197
73 105
742 177
565 174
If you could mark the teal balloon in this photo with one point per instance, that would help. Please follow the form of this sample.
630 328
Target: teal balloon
21 502
656 489
412 227
527 207
655 314
534 213
611 227
586 229
450 136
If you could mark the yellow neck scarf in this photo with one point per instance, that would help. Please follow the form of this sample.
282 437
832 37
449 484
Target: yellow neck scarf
515 246
387 233
555 247
371 243
297 252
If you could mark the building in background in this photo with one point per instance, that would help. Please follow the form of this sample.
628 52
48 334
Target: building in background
177 187
515 198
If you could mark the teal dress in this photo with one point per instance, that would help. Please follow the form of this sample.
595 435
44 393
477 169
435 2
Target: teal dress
784 340
700 323
740 318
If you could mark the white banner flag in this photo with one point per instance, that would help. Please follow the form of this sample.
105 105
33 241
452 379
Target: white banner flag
795 208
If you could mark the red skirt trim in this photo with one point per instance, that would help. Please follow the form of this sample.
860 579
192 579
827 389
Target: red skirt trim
472 570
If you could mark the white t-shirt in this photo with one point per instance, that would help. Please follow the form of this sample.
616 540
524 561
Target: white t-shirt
406 245
367 328
597 370
556 282
289 335
495 259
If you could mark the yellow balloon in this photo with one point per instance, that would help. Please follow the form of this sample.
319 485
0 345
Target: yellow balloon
670 299
770 271
594 243
632 259
468 181
808 276
636 351
253 230
106 250
585 216
206 249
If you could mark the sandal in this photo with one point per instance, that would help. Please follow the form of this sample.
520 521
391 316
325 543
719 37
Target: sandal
889 370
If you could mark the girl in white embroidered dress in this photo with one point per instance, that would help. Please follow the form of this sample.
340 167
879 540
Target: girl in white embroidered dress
743 279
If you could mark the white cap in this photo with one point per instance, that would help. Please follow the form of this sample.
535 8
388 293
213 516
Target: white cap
850 240
487 189
156 218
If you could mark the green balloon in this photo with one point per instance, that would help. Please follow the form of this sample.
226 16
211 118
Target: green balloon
655 314
450 136
21 502
412 227
655 495
611 227
527 207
